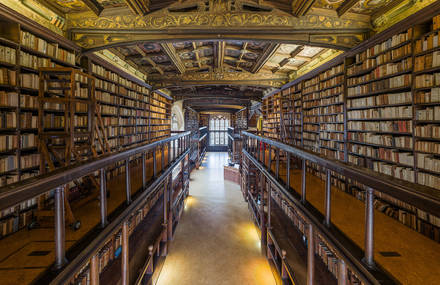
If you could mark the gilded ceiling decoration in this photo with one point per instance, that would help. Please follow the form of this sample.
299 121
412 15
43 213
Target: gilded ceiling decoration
227 46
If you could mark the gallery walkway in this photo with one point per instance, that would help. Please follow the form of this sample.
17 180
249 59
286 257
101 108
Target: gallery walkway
216 241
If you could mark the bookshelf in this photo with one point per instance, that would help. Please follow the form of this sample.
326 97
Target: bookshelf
110 252
271 108
377 107
126 112
22 52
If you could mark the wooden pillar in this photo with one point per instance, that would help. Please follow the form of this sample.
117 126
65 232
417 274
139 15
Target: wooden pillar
125 255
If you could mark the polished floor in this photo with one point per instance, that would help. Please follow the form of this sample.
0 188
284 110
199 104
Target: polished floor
216 241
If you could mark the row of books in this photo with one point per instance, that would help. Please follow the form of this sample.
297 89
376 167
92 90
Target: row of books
381 140
399 172
332 82
430 181
28 121
427 131
29 80
33 61
331 72
27 101
426 43
428 161
331 136
8 120
362 67
390 83
8 142
8 55
427 61
383 113
380 100
427 80
339 118
30 160
427 147
386 45
405 158
385 126
428 114
8 77
394 54
8 163
382 71
8 99
51 49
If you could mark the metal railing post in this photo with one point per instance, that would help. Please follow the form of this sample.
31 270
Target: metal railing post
127 180
277 164
154 162
103 197
60 250
369 227
144 171
288 170
303 182
162 159
270 159
328 187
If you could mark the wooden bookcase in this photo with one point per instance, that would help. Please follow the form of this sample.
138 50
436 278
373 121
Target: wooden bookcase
377 107
271 107
22 52
130 114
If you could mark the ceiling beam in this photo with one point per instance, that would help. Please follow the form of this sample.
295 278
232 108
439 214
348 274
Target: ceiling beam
220 54
208 94
147 58
242 52
270 50
94 6
345 7
139 7
196 53
169 49
301 7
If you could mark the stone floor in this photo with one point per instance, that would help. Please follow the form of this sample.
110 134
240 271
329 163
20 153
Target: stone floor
216 242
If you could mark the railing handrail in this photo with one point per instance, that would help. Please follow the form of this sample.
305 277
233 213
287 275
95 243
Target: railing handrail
204 127
73 267
422 197
18 192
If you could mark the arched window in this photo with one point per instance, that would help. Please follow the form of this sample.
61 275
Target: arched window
218 126
174 123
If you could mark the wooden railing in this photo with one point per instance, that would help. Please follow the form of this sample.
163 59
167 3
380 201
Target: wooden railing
362 263
13 194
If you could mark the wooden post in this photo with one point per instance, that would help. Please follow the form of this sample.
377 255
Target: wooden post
342 273
94 270
125 255
310 256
